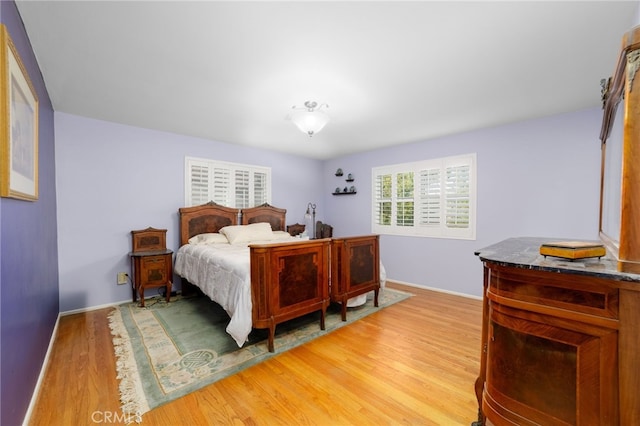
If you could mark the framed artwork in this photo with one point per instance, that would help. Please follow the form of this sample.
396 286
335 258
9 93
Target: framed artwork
18 125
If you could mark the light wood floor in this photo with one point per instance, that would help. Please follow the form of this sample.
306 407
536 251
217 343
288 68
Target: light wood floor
413 363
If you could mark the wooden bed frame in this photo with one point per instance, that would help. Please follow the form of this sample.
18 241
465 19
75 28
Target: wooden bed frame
291 279
355 269
288 280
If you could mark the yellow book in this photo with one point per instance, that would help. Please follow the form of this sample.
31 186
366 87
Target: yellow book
572 249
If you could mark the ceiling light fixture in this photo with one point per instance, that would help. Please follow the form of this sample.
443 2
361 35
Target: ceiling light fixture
310 119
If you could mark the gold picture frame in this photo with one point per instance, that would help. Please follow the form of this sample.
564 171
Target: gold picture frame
18 125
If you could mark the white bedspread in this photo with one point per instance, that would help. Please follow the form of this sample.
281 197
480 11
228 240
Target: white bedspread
222 272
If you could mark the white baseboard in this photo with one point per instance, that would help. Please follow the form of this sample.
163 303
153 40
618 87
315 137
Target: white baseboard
469 296
109 305
95 308
92 308
43 370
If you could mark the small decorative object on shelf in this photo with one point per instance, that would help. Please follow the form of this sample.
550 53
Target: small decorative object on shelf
347 190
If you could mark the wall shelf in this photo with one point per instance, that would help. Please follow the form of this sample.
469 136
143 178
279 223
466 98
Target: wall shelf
347 191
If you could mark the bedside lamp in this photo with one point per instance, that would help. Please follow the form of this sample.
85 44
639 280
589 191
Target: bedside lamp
310 220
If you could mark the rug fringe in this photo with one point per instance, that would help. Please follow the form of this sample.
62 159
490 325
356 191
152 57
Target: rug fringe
132 399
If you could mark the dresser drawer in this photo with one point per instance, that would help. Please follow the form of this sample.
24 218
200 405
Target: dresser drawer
575 293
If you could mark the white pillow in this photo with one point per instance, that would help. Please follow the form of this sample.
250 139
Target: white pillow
282 236
260 231
209 238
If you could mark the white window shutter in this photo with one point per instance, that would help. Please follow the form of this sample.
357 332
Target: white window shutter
382 203
260 189
227 184
457 196
405 200
241 191
220 186
198 174
430 197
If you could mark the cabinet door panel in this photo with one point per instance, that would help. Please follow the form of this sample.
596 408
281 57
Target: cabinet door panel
537 370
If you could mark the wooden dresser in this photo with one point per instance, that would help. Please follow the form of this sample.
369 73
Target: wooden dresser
560 339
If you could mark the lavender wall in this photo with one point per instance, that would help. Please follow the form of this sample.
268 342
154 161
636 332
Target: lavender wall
113 178
535 178
29 261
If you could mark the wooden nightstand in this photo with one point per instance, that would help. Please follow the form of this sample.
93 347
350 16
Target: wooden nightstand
151 262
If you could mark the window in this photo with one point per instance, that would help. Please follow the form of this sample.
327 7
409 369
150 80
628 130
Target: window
229 184
431 198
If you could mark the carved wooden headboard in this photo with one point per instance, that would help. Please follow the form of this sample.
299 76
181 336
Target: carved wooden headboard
210 217
265 213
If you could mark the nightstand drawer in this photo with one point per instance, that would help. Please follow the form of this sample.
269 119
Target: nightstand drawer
154 269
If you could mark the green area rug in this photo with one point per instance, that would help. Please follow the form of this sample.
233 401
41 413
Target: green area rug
167 350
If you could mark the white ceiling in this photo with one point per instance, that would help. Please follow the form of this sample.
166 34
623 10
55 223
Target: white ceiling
391 72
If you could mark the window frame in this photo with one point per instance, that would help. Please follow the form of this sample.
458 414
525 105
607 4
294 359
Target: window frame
224 189
463 177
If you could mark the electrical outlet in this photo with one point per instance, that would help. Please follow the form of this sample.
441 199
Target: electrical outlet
122 278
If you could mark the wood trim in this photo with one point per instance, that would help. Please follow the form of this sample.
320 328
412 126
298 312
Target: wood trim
622 88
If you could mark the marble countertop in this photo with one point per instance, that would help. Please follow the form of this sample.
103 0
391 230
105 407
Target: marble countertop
524 252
